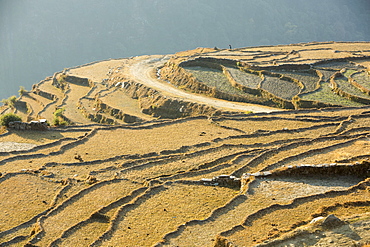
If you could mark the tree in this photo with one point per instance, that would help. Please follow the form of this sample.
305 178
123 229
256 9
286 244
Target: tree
58 118
21 90
9 101
9 117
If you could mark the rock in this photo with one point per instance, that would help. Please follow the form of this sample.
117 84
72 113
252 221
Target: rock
202 133
42 124
317 219
91 179
30 245
330 240
22 126
66 181
78 157
266 173
332 221
47 174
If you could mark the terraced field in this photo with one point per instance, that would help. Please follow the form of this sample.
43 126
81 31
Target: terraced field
347 87
362 78
289 77
246 79
280 88
213 78
139 165
309 79
324 94
154 194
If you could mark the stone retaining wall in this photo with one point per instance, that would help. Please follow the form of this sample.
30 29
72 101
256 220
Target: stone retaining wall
33 125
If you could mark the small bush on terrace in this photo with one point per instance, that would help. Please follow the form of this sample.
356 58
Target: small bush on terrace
58 118
9 117
9 101
22 90
62 78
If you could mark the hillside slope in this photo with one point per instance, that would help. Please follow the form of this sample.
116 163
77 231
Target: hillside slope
167 151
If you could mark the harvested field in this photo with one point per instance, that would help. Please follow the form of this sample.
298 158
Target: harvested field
117 99
246 79
298 213
213 78
281 88
337 65
207 210
156 215
201 176
74 93
309 80
326 73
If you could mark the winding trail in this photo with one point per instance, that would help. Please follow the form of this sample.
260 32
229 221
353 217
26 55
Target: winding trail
141 69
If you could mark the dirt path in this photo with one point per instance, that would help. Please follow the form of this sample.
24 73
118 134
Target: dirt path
141 69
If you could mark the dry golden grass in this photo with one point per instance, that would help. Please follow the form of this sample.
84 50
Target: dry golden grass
196 51
108 143
86 234
148 214
22 197
164 211
121 101
144 178
250 126
70 106
272 224
336 154
81 209
97 71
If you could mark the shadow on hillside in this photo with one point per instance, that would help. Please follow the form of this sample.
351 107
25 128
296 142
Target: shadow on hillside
38 135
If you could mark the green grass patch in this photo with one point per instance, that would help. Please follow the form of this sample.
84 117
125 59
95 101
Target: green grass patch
363 79
326 95
349 72
349 88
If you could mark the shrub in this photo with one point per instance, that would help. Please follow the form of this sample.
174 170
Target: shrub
9 101
59 112
22 90
58 118
9 117
62 78
59 122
